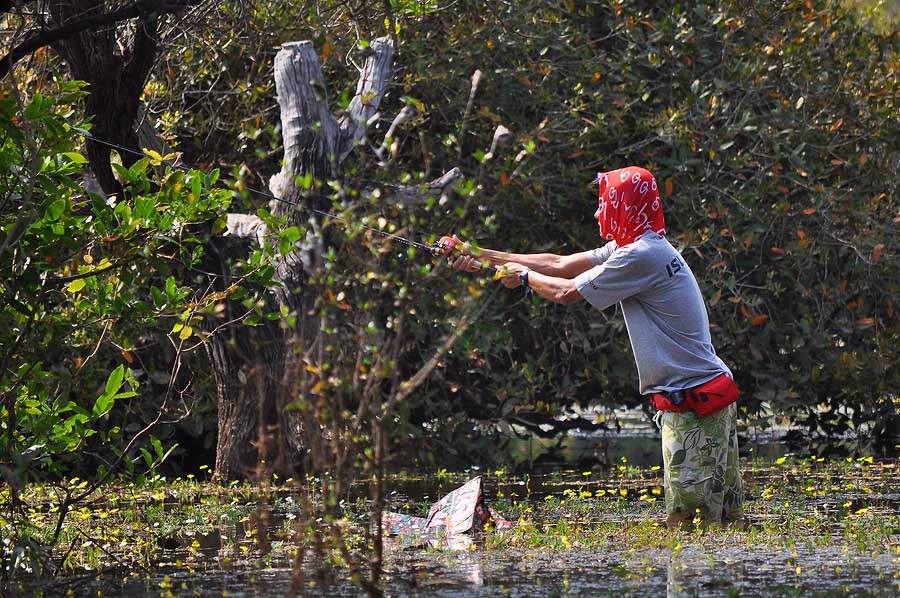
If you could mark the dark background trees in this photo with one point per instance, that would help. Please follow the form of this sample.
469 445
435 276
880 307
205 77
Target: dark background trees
772 129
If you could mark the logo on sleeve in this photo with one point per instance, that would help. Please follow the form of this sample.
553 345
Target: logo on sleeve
674 267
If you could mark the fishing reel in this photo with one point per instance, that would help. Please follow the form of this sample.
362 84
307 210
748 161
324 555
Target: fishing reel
444 246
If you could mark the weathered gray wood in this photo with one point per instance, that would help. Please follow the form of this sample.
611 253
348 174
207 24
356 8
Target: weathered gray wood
247 226
250 226
257 370
415 194
373 80
313 139
309 131
501 135
476 79
405 115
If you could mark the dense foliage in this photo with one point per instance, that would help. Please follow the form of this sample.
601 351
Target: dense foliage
772 130
95 316
771 127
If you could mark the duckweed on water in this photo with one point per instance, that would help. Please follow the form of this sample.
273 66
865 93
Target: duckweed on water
815 527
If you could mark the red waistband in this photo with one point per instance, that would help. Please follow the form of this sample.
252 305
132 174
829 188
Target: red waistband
705 399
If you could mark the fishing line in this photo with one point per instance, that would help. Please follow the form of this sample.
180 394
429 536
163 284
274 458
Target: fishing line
442 247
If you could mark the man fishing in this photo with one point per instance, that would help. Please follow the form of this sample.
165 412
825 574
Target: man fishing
668 326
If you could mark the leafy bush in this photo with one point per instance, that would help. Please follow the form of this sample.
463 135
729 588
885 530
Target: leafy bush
89 300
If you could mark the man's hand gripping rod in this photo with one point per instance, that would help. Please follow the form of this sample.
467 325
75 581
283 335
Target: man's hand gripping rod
445 247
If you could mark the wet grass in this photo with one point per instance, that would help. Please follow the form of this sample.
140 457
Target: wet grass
815 527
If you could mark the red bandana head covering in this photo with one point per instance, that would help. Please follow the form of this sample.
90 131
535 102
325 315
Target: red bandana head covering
629 205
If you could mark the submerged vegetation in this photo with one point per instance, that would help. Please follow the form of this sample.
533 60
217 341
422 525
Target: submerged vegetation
815 524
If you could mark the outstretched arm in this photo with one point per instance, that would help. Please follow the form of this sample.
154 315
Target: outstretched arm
548 264
551 288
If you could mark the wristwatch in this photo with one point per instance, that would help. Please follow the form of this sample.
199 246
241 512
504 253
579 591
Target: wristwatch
523 278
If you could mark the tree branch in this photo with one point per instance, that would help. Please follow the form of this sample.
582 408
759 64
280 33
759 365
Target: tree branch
408 113
251 226
410 194
44 37
476 79
408 386
372 85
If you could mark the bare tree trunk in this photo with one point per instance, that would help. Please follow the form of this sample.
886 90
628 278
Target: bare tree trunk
269 356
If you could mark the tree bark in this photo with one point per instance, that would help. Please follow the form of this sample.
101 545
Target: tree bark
257 368
255 434
113 49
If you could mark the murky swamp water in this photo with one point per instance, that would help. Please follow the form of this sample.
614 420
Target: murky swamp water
817 527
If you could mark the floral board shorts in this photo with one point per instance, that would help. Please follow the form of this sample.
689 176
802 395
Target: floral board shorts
700 458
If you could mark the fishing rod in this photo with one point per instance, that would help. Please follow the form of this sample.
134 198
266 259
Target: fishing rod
444 247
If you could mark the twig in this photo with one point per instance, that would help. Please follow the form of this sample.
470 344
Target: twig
408 386
476 79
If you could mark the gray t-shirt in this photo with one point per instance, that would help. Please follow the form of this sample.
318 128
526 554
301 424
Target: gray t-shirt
664 311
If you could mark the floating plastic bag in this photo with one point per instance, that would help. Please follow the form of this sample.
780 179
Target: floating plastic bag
449 522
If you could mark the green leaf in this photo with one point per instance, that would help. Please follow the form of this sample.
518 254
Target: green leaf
76 285
105 401
139 167
291 234
114 382
55 210
75 157
159 300
144 207
102 405
33 110
148 458
678 457
305 181
157 446
123 172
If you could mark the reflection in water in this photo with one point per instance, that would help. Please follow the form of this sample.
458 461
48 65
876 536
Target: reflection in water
675 577
788 551
635 438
